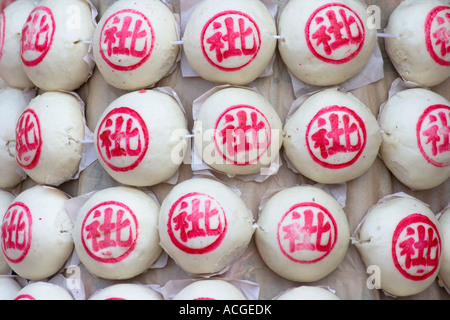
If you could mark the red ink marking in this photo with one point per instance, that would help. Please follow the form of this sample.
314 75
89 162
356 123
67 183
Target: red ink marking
2 33
197 223
4 4
129 37
335 33
437 34
242 135
230 40
433 135
336 137
204 298
16 232
307 233
115 298
416 247
24 297
122 139
28 140
37 36
109 232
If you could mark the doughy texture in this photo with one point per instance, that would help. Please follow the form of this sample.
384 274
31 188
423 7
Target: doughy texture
58 62
210 290
444 271
389 237
230 41
308 293
332 137
12 103
204 243
302 234
412 146
238 131
49 135
43 291
418 53
325 42
11 22
38 226
6 198
126 291
145 54
9 288
153 142
135 239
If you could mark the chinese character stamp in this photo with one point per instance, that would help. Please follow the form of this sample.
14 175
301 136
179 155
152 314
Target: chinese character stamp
433 135
336 137
335 33
129 38
122 139
109 232
197 223
28 140
437 34
37 36
416 247
307 233
230 40
242 135
16 232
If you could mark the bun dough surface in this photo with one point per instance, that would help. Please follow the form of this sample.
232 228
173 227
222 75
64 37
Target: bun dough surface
49 135
131 247
210 290
308 293
43 291
150 127
12 104
44 231
56 61
302 234
126 291
418 53
238 131
6 198
9 288
414 147
11 22
204 225
325 42
230 41
142 56
389 238
332 137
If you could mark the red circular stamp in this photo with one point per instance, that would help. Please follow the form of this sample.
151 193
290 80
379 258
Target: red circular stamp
37 36
230 40
128 38
24 297
122 139
307 233
2 33
416 247
28 139
197 223
437 34
336 137
335 33
109 232
433 135
16 232
242 135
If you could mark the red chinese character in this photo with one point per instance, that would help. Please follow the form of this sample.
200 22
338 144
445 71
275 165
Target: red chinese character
438 133
437 34
16 232
418 252
28 139
230 34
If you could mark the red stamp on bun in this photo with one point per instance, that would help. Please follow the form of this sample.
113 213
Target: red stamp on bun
28 139
197 223
437 34
335 33
37 36
16 232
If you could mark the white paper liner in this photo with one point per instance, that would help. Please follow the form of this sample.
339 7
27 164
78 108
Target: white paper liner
197 163
187 7
248 288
